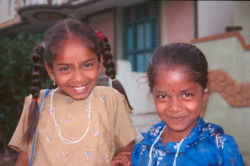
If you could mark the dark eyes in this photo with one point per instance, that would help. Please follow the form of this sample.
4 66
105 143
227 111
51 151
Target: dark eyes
186 95
65 68
84 66
166 97
162 96
88 65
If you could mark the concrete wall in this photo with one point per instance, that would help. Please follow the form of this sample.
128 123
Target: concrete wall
135 84
118 33
229 55
242 14
7 11
214 16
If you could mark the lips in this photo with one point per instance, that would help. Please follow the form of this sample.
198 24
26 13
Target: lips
177 119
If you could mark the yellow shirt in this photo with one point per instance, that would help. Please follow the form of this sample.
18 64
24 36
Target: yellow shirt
110 126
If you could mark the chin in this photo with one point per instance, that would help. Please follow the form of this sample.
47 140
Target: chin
78 96
177 128
83 97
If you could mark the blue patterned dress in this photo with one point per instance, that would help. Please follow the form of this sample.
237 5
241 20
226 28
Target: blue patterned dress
206 145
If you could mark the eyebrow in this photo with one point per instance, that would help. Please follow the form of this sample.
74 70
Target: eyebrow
186 90
66 64
159 91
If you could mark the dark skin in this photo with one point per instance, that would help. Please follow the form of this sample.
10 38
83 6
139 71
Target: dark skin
128 148
178 102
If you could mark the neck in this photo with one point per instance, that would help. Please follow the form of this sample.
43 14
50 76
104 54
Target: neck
170 136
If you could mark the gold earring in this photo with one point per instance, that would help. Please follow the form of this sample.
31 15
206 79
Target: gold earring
54 82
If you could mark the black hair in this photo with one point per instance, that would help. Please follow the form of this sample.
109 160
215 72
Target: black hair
179 55
47 51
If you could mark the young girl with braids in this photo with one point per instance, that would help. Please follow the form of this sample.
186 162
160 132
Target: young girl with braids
178 76
77 123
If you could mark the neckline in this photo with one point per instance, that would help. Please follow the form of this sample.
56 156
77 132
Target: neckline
58 130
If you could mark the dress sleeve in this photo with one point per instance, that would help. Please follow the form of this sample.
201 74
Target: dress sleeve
231 152
124 129
16 141
136 154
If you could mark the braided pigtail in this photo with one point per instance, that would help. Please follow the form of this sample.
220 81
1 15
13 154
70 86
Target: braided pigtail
37 58
109 65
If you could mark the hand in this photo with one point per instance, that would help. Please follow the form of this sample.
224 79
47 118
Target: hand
122 159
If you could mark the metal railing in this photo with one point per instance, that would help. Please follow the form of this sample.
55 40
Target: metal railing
24 3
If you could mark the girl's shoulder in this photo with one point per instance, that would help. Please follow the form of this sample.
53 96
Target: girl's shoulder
106 91
152 133
156 128
216 132
28 98
211 136
110 96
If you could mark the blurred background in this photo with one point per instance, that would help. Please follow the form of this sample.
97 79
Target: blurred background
221 29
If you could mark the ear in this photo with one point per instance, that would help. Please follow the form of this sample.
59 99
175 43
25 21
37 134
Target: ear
100 64
49 71
205 95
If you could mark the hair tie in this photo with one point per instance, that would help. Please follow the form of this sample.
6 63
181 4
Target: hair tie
114 79
34 99
100 36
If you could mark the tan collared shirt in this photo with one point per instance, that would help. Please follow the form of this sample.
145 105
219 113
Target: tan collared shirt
110 126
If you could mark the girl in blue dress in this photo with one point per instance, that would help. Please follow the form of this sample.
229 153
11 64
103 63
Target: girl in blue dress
178 76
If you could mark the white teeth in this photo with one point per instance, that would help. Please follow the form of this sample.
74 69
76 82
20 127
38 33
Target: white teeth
79 88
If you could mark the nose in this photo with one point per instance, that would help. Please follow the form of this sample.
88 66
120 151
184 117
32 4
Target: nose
78 76
176 105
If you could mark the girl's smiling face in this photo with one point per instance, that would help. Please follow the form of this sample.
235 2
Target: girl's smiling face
75 69
178 99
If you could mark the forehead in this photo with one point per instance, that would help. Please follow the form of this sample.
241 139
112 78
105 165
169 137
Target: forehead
177 78
173 70
172 73
74 49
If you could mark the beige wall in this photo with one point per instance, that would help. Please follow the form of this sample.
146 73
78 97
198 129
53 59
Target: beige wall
118 35
7 11
137 89
228 54
179 21
242 14
214 16
163 23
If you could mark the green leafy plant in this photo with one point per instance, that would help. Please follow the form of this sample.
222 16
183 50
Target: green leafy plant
15 84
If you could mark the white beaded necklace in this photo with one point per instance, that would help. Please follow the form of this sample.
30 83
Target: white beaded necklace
178 145
58 130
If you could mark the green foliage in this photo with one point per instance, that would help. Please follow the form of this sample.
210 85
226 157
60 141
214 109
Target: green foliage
15 74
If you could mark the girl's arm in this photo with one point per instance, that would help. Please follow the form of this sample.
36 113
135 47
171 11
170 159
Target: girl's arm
22 159
123 157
